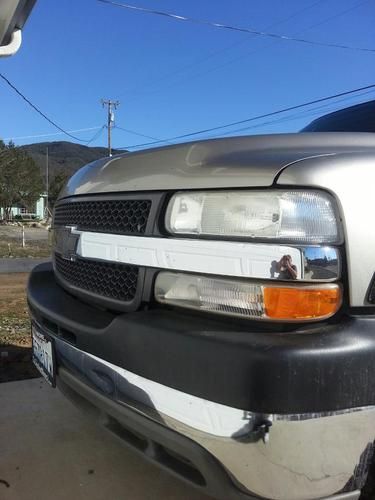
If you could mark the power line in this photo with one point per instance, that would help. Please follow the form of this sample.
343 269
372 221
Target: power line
338 14
97 135
38 110
235 28
284 110
317 110
258 117
217 52
201 73
37 136
140 135
297 116
253 51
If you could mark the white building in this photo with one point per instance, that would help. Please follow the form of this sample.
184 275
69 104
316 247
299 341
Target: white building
36 212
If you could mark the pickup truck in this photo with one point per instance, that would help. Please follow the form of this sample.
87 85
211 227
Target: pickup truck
212 304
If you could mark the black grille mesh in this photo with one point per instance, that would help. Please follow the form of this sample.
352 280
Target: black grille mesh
107 279
111 216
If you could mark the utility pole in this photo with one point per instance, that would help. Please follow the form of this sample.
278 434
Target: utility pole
111 105
46 210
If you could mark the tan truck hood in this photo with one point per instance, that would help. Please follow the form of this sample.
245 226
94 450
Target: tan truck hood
253 161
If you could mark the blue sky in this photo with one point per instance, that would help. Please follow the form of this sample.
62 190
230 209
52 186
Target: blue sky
172 77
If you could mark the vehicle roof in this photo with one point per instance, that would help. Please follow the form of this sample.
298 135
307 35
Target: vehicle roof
357 118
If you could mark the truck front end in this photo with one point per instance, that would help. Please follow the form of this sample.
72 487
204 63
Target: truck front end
213 304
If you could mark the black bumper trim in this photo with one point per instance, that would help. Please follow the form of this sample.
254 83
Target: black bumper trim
177 454
324 369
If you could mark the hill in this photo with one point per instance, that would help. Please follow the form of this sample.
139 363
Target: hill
64 157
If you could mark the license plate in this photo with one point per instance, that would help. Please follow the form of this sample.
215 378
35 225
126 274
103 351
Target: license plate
43 355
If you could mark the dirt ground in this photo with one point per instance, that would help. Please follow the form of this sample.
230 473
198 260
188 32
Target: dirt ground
37 242
31 233
15 336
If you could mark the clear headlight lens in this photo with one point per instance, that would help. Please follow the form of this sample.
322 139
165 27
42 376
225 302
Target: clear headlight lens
249 300
293 216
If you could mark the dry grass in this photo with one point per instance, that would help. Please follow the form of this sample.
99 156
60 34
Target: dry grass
14 320
38 242
10 248
15 335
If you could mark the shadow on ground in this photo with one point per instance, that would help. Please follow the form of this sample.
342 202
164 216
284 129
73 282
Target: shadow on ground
16 363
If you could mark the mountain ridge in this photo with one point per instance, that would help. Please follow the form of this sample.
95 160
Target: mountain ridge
64 156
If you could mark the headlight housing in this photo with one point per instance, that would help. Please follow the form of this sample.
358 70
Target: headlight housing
304 217
252 300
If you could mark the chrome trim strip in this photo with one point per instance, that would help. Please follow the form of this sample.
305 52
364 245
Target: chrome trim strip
200 414
203 415
351 495
225 258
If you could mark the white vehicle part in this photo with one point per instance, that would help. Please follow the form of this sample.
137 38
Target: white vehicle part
224 258
13 46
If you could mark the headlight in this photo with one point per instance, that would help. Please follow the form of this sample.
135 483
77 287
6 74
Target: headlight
292 216
262 301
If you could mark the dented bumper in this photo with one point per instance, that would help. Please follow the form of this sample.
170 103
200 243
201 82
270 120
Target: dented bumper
233 441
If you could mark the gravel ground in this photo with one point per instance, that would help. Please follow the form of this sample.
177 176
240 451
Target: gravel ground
37 242
31 233
15 336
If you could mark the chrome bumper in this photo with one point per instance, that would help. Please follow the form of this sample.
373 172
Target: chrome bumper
281 457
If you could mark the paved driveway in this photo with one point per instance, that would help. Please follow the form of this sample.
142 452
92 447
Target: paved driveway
19 265
48 450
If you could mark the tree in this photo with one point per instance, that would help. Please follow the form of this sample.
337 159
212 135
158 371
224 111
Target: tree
7 161
20 179
57 183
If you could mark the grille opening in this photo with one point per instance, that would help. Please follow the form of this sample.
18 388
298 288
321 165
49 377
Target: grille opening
59 331
52 327
107 279
159 453
111 216
169 459
133 439
68 336
81 402
180 465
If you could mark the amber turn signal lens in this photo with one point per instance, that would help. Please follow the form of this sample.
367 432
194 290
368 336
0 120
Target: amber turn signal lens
292 303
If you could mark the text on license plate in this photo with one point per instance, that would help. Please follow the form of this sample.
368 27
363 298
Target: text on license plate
43 356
